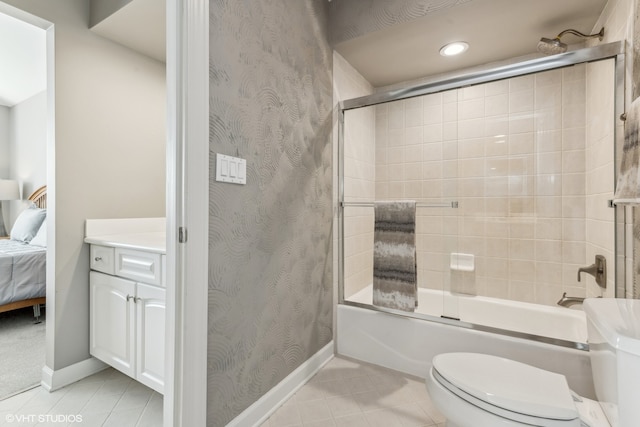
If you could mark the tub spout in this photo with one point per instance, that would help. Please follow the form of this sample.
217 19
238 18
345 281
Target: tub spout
566 301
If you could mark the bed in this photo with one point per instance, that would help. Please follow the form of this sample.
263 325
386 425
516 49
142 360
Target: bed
23 267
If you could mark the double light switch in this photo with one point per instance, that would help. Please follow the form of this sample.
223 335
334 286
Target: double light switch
231 169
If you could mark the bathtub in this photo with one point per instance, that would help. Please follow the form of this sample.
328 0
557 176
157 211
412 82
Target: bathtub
547 337
550 324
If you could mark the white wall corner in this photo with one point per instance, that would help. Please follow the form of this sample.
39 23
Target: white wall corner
264 407
54 380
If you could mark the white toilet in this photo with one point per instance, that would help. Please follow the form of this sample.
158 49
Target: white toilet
479 390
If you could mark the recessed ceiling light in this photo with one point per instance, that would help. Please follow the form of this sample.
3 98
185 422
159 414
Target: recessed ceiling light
455 48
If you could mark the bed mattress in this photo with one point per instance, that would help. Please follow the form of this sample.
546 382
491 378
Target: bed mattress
22 271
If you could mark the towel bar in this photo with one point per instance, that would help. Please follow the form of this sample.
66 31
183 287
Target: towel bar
453 205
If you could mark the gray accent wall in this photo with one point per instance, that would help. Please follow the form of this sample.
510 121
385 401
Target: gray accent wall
270 241
354 18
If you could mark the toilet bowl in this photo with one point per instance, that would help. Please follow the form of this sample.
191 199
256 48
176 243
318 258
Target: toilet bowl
479 390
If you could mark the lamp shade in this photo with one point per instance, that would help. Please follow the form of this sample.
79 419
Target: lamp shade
9 189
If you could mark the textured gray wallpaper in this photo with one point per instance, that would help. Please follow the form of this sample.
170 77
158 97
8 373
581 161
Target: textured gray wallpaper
354 18
270 242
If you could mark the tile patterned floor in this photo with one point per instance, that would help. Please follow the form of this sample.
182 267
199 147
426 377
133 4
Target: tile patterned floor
344 393
107 398
356 394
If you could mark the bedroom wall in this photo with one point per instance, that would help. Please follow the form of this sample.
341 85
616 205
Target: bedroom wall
270 241
109 154
4 157
4 142
28 148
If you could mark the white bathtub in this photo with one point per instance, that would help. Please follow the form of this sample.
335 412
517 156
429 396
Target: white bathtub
409 344
533 319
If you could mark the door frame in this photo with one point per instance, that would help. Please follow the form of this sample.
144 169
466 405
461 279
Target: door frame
187 212
48 28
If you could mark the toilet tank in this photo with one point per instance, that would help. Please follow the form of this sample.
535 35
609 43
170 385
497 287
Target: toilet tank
613 330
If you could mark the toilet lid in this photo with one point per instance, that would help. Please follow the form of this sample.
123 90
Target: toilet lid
508 384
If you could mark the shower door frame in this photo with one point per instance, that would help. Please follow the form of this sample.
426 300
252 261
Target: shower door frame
463 78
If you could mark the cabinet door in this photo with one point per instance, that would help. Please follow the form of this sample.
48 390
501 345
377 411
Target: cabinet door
112 317
150 305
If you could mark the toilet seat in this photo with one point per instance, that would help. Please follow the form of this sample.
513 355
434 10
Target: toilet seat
507 388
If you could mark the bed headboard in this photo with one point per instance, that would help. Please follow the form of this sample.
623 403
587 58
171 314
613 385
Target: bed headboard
39 197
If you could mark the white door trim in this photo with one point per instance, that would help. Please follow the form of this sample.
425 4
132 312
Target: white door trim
48 27
187 207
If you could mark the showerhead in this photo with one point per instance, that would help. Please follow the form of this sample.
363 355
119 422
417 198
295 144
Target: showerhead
555 46
551 46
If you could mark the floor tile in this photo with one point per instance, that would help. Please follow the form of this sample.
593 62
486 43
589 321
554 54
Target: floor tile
107 398
286 415
324 423
357 420
383 418
93 420
310 391
342 405
100 404
349 393
314 410
344 393
128 418
412 415
151 417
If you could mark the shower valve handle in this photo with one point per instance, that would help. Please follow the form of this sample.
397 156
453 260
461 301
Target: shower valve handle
598 270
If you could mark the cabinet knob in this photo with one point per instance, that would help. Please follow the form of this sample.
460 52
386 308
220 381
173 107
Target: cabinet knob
129 297
98 258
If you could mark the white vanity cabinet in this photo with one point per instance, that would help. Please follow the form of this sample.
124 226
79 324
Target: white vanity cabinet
127 312
112 321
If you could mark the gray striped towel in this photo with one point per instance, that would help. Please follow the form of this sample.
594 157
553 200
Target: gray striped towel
395 282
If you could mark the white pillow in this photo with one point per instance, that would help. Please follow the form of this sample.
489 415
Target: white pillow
41 236
27 224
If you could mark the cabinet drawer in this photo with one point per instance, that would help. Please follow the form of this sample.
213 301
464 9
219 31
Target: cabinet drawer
102 259
145 267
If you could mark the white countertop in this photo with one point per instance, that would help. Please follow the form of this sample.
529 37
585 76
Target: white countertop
144 234
150 242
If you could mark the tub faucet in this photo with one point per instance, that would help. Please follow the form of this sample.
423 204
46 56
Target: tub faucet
566 301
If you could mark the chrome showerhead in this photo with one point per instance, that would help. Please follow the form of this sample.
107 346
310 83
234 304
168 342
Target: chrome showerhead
555 46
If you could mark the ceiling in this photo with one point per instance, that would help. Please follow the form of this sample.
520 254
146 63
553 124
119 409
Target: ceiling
23 57
139 25
495 30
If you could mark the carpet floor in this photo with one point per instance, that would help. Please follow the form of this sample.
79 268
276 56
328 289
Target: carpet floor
22 351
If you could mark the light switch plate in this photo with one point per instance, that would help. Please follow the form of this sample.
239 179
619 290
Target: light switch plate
231 169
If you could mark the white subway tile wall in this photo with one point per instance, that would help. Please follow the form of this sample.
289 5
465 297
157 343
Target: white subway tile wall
531 174
358 241
360 152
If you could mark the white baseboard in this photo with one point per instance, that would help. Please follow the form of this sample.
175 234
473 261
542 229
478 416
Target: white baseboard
54 380
264 407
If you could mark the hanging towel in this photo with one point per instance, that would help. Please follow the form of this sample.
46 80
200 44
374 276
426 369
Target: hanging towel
395 282
628 187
